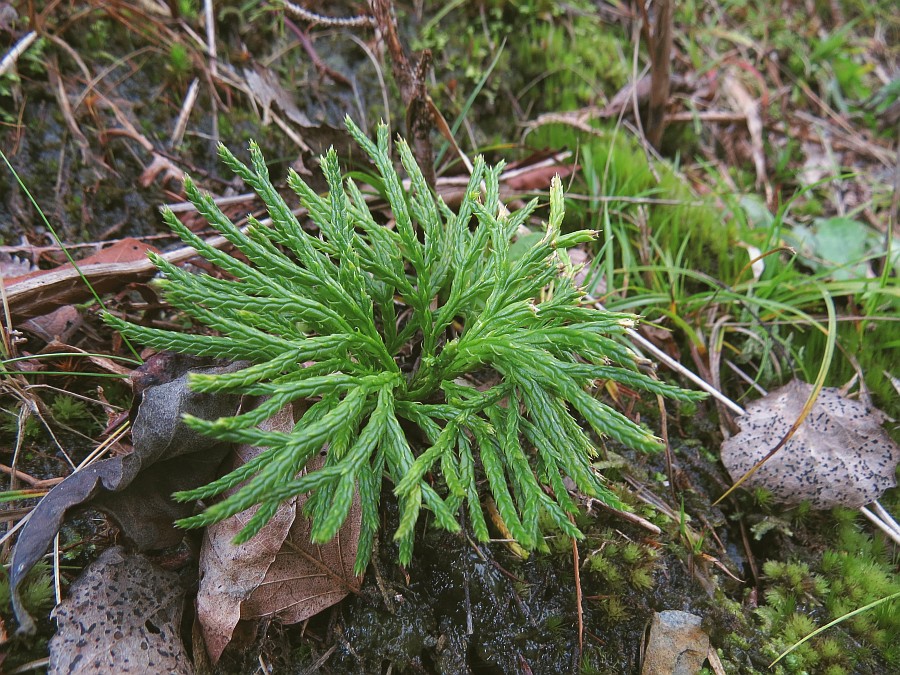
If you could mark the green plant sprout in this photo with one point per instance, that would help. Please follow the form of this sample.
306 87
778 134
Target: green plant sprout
397 393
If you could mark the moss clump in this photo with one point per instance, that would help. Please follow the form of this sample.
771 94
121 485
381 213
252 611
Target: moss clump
801 597
622 565
37 596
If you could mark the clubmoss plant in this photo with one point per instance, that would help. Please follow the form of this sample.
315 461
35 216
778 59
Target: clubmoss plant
394 393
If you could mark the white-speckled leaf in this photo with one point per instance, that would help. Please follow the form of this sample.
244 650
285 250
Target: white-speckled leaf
840 455
123 615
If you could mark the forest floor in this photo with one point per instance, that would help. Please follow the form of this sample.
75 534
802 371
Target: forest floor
746 191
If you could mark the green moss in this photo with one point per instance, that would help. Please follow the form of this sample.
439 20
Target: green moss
37 597
572 58
801 596
73 412
36 591
614 609
621 566
179 64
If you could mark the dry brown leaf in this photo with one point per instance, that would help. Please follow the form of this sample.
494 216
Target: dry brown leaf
123 615
42 291
840 455
278 573
748 106
537 177
135 489
267 90
59 325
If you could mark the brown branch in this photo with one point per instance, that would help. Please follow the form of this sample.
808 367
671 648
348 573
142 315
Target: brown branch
660 55
411 82
579 601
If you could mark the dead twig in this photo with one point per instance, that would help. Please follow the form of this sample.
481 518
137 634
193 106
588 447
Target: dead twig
379 74
576 563
28 479
359 21
322 67
181 124
56 83
749 106
210 21
660 56
18 49
159 164
411 82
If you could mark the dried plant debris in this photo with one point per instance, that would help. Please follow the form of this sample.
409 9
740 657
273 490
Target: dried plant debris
839 456
123 615
279 572
41 291
134 489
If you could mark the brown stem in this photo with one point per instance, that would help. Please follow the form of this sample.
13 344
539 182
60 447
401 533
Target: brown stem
660 54
411 82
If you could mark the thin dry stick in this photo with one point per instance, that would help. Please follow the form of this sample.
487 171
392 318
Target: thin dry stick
660 55
378 73
57 585
181 124
362 20
323 68
32 482
664 434
578 597
411 82
209 19
65 107
880 516
632 518
18 49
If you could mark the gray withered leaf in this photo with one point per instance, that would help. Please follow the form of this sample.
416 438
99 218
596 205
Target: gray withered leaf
134 489
839 456
122 615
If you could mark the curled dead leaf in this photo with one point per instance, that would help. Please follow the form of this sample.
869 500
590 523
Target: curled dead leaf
134 489
278 573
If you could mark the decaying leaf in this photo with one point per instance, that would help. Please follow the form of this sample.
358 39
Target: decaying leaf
840 455
59 325
278 573
13 266
267 90
134 489
744 102
42 291
122 615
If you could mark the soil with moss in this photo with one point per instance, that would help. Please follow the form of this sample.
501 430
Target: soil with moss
760 577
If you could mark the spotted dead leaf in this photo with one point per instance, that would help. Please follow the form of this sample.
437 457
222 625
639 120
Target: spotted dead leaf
123 615
278 573
839 456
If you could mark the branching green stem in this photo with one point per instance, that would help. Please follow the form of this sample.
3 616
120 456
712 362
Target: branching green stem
316 317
